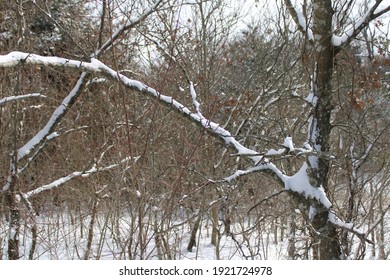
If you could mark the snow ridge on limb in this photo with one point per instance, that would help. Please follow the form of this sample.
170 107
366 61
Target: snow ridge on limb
18 97
63 180
353 30
298 183
15 58
194 100
95 66
300 20
20 58
54 119
349 227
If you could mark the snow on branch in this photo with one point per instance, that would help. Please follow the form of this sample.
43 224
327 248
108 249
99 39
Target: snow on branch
351 31
19 58
194 100
58 113
300 183
7 99
16 58
76 174
41 136
347 226
300 20
288 144
266 166
297 183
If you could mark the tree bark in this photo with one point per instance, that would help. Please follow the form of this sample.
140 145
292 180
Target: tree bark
325 237
214 223
14 224
195 228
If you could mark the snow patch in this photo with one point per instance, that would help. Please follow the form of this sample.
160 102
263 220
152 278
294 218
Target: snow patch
288 143
300 183
312 212
295 93
336 221
194 100
303 24
273 152
311 98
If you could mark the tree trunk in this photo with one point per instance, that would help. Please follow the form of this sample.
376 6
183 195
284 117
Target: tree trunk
14 214
195 228
291 249
14 225
325 238
214 223
91 229
34 232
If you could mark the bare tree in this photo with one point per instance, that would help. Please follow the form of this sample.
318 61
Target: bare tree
327 43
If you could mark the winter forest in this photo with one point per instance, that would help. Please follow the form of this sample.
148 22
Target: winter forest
194 129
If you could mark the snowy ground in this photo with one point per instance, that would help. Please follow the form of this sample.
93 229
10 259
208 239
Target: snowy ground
62 237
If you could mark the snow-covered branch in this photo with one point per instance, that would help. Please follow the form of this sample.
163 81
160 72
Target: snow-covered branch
38 140
298 183
54 119
256 168
354 29
19 58
300 20
350 32
194 100
7 99
348 226
73 175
